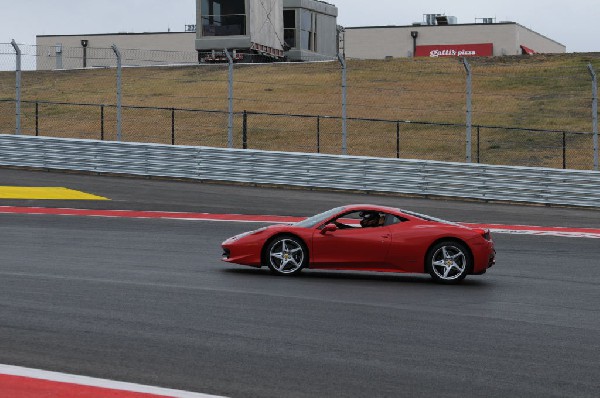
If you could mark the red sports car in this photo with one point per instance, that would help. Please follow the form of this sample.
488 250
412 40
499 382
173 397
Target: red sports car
367 238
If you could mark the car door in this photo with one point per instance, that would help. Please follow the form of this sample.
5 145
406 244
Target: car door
409 244
349 248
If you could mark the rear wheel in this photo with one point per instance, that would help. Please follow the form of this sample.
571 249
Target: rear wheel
286 255
448 262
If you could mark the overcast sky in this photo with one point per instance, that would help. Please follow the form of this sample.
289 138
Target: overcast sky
572 23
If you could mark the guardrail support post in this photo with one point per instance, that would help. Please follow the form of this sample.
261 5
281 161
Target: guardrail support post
18 88
469 108
119 93
344 103
594 112
230 100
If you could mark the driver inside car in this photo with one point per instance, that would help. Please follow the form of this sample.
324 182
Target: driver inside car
362 219
371 219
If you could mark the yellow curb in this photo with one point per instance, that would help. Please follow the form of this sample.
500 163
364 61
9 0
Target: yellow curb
45 193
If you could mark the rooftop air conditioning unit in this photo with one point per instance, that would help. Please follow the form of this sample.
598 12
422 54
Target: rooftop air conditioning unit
441 20
430 19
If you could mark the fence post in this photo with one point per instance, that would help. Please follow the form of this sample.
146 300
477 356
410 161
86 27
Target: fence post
398 140
344 103
469 108
18 87
318 134
245 130
37 118
172 126
594 112
230 99
119 93
564 150
101 122
478 144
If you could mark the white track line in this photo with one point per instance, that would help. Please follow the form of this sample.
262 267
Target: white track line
100 383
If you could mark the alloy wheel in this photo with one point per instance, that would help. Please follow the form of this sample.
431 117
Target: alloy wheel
286 256
449 263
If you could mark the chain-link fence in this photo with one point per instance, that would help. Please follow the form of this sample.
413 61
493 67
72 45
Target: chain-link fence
8 58
530 147
547 92
59 57
304 133
533 111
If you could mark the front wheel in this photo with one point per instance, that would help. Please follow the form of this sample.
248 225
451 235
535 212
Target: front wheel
448 262
286 255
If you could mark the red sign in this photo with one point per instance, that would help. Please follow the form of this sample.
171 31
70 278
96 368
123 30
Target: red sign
456 50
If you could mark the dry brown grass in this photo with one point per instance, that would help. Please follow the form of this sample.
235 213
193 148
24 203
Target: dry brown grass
543 92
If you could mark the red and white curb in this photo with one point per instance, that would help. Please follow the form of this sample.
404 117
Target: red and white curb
564 232
168 215
593 233
19 382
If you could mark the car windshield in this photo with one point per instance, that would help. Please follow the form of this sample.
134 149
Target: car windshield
319 218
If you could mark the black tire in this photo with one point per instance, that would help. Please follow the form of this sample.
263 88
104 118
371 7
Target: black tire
448 262
286 255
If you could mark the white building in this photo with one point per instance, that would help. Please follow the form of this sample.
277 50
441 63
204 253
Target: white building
297 29
442 36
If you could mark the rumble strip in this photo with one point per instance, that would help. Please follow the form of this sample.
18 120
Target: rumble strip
32 383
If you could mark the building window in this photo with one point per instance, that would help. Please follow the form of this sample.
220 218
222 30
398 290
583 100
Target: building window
308 30
289 28
223 17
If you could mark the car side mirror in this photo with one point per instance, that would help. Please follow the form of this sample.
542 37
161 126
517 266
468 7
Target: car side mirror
329 228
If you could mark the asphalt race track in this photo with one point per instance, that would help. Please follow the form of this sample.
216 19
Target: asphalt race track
149 301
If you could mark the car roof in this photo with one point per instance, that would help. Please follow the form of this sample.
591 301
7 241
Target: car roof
385 209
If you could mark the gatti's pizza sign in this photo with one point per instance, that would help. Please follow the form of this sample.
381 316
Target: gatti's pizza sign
456 50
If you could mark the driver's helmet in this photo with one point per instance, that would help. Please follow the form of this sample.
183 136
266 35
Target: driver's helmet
369 219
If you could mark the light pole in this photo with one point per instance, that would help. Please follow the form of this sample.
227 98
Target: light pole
84 44
414 34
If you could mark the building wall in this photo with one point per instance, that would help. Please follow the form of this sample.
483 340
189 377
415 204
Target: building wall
377 43
327 35
174 41
538 42
381 42
266 26
169 47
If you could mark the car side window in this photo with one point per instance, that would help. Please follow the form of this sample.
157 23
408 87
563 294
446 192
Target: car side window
391 219
360 219
347 221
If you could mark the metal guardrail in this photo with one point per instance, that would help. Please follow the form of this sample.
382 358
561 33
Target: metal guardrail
452 180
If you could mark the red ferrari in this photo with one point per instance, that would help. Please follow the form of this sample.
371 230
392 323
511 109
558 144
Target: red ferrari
367 238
